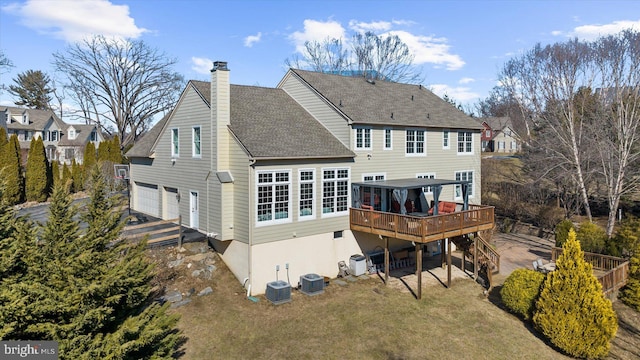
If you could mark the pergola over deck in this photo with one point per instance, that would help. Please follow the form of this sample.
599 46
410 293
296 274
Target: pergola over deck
419 227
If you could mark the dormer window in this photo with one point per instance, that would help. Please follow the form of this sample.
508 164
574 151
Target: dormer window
93 136
72 133
8 116
25 119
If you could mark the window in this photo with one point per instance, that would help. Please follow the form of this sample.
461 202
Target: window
445 139
72 134
487 133
273 205
335 191
54 135
465 142
93 136
195 148
427 189
415 142
500 145
388 140
69 154
464 176
175 143
28 135
484 145
305 205
363 138
514 146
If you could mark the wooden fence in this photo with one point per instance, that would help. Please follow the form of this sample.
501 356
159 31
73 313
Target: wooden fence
616 270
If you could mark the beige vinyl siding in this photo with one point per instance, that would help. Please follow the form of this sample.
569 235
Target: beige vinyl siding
396 165
187 173
317 107
295 228
241 193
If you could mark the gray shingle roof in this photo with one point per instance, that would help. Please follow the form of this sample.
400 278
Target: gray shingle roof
37 118
82 135
374 103
144 145
496 123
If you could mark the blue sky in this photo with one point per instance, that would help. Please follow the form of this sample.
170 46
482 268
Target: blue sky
459 45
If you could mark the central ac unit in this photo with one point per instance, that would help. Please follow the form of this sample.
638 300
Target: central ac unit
311 284
278 292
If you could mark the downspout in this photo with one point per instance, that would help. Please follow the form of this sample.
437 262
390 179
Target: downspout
252 162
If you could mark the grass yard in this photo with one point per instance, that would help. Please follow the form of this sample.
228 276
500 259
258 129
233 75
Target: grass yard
363 320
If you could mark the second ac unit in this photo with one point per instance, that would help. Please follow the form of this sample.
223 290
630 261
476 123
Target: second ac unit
311 284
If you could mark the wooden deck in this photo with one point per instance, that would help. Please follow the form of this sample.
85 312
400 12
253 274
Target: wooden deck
612 272
423 229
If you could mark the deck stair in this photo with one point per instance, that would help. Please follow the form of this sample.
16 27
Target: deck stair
488 257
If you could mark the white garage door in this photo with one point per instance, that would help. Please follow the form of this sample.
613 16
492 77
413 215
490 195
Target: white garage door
171 208
147 199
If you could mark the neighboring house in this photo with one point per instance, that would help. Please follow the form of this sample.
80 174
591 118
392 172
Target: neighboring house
498 135
267 173
63 142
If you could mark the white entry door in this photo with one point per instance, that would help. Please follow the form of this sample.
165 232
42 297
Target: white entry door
193 220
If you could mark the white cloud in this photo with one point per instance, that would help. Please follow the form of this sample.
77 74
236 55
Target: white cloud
74 20
317 31
429 49
592 32
466 80
252 39
459 94
201 65
374 26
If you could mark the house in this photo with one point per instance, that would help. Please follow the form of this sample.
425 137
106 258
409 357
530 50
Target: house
498 135
63 142
272 175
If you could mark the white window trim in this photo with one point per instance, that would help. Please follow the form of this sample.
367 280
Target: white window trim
458 143
193 142
314 192
473 182
430 175
321 191
448 145
175 154
273 221
355 137
384 138
424 147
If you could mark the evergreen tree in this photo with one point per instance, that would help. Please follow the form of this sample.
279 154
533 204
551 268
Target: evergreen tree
32 89
55 174
88 290
77 176
630 294
572 311
67 180
37 179
11 172
89 160
3 138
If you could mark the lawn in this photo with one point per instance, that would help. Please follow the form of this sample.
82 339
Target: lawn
363 320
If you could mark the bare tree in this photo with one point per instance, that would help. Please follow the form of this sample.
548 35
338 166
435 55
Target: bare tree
125 83
376 57
5 65
544 81
617 58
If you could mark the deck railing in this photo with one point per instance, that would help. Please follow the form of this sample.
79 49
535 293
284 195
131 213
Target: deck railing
423 229
617 269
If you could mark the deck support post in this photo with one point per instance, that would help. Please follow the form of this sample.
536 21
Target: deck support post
419 269
443 252
475 257
449 263
386 260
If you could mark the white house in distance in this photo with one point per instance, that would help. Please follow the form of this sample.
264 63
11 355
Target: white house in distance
62 142
276 176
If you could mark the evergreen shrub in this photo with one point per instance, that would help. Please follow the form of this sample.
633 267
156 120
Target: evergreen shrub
521 290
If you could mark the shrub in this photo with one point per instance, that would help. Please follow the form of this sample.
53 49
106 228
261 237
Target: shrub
549 216
626 239
630 294
562 231
592 237
521 290
572 312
